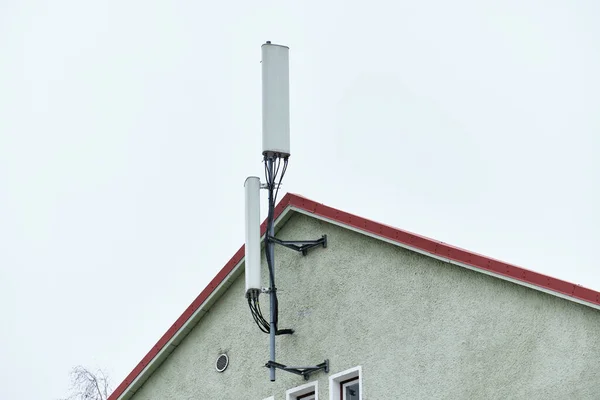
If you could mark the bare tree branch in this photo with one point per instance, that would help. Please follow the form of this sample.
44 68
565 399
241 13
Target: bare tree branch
86 385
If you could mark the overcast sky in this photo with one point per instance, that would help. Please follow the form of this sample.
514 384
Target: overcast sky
127 129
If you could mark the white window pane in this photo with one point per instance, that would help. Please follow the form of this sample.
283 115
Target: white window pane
351 391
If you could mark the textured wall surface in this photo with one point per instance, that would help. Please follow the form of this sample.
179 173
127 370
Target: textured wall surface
420 328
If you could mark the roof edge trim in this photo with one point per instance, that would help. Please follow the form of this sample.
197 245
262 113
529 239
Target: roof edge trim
453 262
443 250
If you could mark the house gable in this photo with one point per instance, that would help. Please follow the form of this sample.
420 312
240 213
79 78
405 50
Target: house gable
292 204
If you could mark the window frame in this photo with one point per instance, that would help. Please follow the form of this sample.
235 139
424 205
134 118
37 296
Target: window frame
337 381
301 392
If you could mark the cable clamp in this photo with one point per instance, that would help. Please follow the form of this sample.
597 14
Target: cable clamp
266 185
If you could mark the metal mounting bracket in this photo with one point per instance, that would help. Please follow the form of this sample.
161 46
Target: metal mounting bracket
302 371
300 245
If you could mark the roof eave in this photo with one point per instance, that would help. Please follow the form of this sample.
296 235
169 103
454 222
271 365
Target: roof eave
508 278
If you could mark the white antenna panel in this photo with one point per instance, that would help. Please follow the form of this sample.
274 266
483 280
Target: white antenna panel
276 99
252 246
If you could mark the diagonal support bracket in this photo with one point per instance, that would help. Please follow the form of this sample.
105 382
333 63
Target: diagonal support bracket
300 245
302 371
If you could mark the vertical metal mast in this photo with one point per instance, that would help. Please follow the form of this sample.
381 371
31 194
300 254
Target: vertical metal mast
271 251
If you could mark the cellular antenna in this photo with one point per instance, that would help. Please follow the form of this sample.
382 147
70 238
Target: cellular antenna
275 101
252 247
276 152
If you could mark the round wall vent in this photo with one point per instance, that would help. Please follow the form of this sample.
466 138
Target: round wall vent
222 362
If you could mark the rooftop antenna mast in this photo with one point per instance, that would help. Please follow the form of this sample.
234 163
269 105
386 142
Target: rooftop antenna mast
276 152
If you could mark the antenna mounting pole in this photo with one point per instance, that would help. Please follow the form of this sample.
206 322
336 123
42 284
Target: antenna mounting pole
272 171
271 256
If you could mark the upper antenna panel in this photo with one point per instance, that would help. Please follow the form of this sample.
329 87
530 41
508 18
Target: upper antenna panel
275 100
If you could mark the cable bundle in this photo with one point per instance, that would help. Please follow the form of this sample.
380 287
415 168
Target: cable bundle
254 305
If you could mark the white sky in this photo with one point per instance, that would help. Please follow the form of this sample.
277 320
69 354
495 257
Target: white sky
127 130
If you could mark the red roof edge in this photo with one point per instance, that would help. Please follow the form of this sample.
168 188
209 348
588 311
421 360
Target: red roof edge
409 239
447 251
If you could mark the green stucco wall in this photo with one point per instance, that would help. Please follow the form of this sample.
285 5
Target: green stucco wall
420 328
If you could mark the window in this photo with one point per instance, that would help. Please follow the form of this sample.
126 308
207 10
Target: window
346 385
307 396
350 389
310 391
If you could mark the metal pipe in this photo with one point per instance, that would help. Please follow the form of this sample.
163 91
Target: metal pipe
270 250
